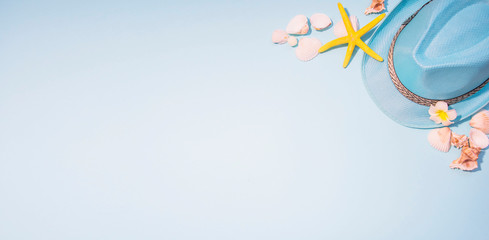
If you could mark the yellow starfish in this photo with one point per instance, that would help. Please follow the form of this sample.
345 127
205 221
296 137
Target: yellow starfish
354 38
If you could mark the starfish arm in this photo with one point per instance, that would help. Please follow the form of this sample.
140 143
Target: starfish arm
368 50
370 25
349 52
333 43
346 20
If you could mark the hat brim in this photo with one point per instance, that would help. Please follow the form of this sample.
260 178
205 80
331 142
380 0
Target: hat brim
383 92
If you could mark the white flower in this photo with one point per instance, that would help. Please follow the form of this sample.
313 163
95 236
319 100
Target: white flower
440 113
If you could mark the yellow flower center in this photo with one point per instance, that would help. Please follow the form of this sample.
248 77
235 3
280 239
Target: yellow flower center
442 114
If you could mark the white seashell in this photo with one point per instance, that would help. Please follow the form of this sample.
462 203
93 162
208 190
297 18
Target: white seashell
481 121
308 48
298 25
478 138
292 41
279 37
440 139
320 21
340 30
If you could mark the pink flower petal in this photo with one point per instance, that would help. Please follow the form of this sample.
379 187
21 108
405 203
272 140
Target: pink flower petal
446 123
432 110
436 119
452 114
441 106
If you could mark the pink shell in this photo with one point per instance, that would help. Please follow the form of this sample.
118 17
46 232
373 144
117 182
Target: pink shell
279 37
308 49
467 160
320 21
459 141
481 121
340 30
440 139
292 41
377 6
298 25
478 138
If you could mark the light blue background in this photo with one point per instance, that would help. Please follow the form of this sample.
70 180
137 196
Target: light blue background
181 120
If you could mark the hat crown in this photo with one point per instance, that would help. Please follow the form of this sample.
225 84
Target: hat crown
451 25
444 51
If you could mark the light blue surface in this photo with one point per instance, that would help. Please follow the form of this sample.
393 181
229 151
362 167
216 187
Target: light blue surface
181 120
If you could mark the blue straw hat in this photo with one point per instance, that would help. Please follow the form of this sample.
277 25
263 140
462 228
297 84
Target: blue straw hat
436 50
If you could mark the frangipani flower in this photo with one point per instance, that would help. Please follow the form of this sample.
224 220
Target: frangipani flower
440 113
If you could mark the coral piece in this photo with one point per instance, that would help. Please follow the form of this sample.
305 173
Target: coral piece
377 6
279 37
468 159
307 49
459 141
298 25
440 139
292 41
320 21
481 121
339 29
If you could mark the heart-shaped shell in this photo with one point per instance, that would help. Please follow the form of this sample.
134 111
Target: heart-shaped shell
279 37
340 30
298 25
308 49
478 138
439 138
481 121
292 41
320 21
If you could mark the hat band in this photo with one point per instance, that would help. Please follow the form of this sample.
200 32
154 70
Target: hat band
406 92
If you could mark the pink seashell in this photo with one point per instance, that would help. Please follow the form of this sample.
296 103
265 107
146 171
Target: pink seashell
459 141
292 41
467 160
478 139
308 49
298 25
377 6
320 21
279 37
439 138
481 121
340 30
